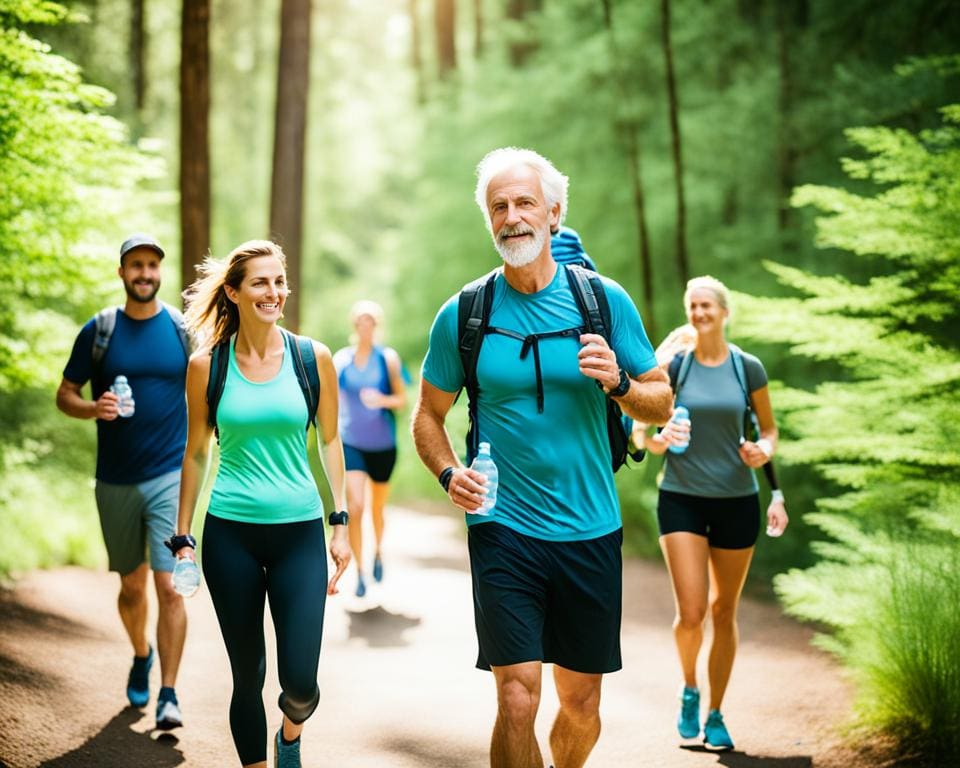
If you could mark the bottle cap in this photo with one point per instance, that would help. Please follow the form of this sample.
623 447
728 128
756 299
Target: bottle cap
484 447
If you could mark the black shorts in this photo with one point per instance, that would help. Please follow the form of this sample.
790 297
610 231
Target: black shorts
556 602
732 523
377 464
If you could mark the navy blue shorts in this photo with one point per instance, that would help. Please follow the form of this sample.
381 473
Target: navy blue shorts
549 601
732 523
377 464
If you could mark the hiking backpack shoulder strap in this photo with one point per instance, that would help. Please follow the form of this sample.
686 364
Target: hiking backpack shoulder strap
305 368
180 323
219 360
104 324
740 370
591 298
679 370
473 316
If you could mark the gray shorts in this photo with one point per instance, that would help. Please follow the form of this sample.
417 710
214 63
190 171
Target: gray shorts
133 517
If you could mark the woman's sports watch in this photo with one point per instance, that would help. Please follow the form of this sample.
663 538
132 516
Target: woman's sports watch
623 386
176 543
338 518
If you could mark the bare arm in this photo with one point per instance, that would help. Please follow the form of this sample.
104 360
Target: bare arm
433 445
649 398
397 398
332 456
71 401
197 453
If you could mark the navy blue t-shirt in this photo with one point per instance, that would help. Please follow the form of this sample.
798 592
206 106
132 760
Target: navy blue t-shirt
149 353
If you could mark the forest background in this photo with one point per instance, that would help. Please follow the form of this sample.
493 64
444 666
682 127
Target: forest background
700 136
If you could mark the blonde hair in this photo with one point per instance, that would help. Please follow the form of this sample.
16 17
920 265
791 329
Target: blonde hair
711 284
553 182
209 314
366 307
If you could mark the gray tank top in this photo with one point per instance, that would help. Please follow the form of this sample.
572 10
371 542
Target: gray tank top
712 465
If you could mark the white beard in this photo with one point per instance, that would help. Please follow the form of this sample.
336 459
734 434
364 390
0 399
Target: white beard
520 254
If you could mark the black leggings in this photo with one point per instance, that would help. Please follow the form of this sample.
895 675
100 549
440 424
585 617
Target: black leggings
287 562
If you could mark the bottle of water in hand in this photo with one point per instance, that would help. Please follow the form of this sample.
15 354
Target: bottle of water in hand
484 464
186 577
121 389
680 414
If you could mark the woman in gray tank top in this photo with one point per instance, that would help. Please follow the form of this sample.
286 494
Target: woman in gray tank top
708 509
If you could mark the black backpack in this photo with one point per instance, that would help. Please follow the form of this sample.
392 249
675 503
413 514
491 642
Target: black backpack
105 322
304 365
475 303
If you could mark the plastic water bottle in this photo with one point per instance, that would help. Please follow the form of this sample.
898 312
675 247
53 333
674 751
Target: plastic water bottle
121 389
484 464
186 577
680 414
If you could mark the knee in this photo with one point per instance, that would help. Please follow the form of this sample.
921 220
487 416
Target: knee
518 703
167 596
690 616
133 589
298 705
723 613
355 508
581 705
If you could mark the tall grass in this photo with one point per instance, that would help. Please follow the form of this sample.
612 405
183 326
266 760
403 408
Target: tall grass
906 658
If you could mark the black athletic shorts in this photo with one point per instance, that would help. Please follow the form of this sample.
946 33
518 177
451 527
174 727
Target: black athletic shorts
732 523
556 602
377 464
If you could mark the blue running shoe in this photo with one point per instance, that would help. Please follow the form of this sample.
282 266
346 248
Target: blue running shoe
286 755
361 586
715 734
168 710
377 568
688 721
138 683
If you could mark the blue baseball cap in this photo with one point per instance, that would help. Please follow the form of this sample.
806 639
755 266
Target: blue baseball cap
140 241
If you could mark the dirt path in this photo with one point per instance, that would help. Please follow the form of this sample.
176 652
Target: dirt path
397 680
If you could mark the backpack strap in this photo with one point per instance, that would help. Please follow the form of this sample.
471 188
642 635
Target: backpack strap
219 360
473 316
305 368
591 298
678 371
104 324
180 323
750 424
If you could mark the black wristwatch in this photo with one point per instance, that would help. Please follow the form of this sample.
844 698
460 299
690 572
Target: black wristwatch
622 387
445 477
176 543
338 518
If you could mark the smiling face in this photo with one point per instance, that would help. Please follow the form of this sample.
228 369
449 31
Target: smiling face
262 291
520 219
705 313
140 272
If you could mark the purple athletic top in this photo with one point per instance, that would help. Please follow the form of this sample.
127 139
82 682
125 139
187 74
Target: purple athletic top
369 429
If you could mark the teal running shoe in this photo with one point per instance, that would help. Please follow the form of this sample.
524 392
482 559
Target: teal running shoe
138 682
286 755
715 734
361 586
377 568
688 721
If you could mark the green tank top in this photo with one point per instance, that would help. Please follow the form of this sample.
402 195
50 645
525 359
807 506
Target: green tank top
264 474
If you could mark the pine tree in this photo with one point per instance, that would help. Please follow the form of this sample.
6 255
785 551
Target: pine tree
887 432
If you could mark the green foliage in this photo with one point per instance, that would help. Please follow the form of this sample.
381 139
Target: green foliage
66 171
888 578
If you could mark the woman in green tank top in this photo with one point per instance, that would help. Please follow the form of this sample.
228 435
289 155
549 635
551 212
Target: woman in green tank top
263 532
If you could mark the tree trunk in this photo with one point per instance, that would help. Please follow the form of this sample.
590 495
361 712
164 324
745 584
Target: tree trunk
289 144
194 137
683 266
631 147
477 28
138 54
445 21
517 10
787 19
416 60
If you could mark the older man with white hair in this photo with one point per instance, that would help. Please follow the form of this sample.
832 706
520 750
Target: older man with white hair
546 563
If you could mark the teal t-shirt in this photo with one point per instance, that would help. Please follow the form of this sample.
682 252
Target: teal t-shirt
556 482
711 466
264 474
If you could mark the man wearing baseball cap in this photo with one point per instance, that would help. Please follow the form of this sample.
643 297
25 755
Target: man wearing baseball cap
140 440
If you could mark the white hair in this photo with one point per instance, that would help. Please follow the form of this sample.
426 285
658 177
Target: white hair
553 182
718 289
